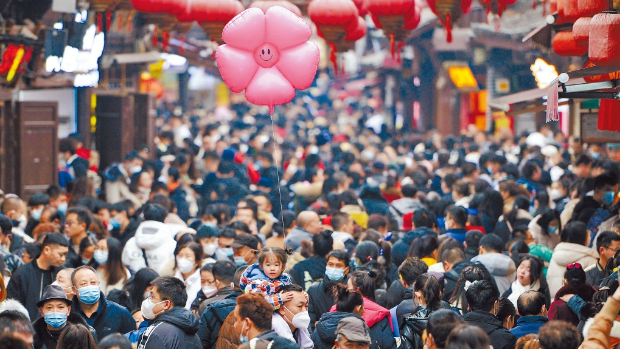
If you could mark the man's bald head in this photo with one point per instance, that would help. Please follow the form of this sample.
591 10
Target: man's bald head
309 221
12 206
531 303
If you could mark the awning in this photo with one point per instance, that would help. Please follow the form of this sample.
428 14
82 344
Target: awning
574 87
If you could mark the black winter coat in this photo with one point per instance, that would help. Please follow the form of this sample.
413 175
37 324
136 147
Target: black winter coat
308 271
109 317
174 329
450 278
324 335
27 285
401 247
406 307
395 294
321 298
501 338
212 319
44 339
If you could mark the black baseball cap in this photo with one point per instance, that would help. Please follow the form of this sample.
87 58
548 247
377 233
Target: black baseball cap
245 240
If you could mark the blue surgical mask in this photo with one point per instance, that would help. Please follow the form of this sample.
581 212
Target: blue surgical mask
101 257
552 230
62 208
89 294
36 214
228 251
595 155
115 223
56 320
85 261
243 339
240 261
334 274
609 197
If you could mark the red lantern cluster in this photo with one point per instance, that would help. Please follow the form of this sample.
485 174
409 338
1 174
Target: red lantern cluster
498 6
564 44
604 41
579 12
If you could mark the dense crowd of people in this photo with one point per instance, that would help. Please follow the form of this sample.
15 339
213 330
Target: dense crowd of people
317 229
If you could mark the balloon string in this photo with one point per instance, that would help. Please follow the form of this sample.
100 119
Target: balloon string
275 159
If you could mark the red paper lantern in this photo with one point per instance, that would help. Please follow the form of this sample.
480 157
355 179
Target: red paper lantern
497 6
570 10
359 31
581 31
448 12
266 4
362 7
604 42
608 111
213 15
589 8
564 45
333 19
553 6
391 16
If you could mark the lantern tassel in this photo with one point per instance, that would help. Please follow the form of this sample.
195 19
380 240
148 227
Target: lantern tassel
99 22
129 21
108 20
544 5
165 36
182 39
552 103
533 4
448 24
392 45
120 21
155 37
333 57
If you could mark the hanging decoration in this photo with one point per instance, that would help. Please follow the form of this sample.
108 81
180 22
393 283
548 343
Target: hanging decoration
267 55
333 19
581 31
214 14
564 45
266 4
394 17
448 12
499 6
604 40
608 111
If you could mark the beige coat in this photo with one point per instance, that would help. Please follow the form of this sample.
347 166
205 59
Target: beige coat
599 334
564 254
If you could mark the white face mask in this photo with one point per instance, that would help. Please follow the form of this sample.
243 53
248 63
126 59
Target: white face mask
185 265
23 221
210 249
555 194
147 309
209 291
300 320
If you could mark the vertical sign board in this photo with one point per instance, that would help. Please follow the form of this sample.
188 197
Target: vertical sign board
37 146
115 128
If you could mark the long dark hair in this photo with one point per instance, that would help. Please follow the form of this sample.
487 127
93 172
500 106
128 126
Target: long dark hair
137 285
347 300
430 288
115 269
521 202
548 215
365 281
536 268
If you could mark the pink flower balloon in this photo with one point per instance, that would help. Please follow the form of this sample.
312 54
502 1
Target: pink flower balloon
267 55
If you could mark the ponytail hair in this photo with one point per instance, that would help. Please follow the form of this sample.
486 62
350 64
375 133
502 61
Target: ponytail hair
276 252
365 281
347 300
430 288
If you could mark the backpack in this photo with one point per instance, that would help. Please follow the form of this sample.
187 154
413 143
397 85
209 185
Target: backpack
412 328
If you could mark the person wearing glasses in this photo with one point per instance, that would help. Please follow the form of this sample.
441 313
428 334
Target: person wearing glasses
607 244
574 284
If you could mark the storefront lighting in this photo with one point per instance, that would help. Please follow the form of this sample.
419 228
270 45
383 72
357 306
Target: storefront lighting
461 75
543 72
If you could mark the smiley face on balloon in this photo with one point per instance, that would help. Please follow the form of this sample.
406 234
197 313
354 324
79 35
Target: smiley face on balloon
267 55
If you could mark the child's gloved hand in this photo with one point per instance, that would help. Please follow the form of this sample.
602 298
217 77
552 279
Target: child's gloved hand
287 296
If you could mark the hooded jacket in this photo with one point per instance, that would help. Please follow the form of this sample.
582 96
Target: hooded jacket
212 320
27 284
407 306
43 339
254 280
379 322
156 240
174 329
559 310
500 337
501 267
564 254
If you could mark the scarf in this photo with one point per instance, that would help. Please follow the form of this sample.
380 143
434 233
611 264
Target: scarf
518 289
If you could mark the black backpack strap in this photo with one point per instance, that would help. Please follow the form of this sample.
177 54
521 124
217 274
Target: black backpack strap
146 261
